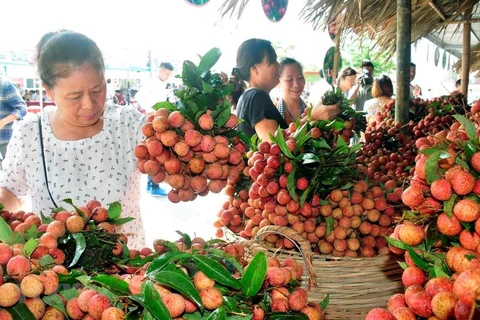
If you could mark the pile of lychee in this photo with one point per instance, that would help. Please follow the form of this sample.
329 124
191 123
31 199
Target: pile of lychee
193 158
448 203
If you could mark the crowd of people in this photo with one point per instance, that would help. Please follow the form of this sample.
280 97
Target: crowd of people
81 147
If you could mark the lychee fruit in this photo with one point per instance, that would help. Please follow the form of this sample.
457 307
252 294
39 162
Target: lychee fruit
462 182
97 304
84 297
466 210
176 119
18 267
201 281
206 122
36 307
113 313
441 189
175 304
9 294
211 298
75 224
31 286
6 253
73 310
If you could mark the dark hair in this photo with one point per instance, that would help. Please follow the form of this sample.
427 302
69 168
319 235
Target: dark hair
321 74
458 83
109 80
347 71
166 65
382 87
413 65
251 52
367 63
289 61
238 88
60 53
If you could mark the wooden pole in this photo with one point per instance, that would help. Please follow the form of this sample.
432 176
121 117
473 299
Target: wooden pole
336 56
467 28
404 39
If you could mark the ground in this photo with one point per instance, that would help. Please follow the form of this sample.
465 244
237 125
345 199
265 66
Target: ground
162 218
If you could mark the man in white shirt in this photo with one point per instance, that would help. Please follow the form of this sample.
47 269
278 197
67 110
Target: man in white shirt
156 90
152 93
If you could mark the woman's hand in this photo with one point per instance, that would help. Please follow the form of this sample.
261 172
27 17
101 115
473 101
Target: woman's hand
9 200
321 112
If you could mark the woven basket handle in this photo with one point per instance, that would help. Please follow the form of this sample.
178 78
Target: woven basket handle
300 242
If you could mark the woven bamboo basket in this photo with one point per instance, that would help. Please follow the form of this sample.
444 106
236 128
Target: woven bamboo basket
354 285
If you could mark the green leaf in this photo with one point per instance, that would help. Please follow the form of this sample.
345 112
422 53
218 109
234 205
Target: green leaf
192 106
141 261
218 314
225 256
161 262
330 225
70 202
254 275
432 170
448 205
301 141
230 303
80 246
246 140
30 246
73 277
86 281
20 312
164 105
185 237
321 144
208 60
470 150
6 233
403 265
440 270
432 150
287 316
114 210
120 221
307 158
467 226
223 117
146 315
190 74
113 283
325 302
215 271
46 220
291 184
206 87
55 301
46 261
282 144
179 282
69 293
419 261
153 302
469 128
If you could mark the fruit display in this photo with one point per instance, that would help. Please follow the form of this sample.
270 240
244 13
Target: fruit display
389 149
43 278
274 9
194 146
440 235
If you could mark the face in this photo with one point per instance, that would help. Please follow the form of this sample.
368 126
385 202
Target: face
267 74
412 73
370 71
416 91
80 97
292 81
164 74
349 81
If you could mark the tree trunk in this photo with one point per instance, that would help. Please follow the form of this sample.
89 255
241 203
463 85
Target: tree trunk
467 27
404 39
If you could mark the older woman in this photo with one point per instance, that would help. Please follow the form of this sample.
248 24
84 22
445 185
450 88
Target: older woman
81 148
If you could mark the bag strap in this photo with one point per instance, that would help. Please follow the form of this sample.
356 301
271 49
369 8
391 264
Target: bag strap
43 160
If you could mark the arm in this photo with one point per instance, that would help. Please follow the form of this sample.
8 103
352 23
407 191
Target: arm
266 127
9 200
17 107
354 95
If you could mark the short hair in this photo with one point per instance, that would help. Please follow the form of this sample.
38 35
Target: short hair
382 87
347 71
458 83
251 52
61 53
166 65
413 65
367 63
289 61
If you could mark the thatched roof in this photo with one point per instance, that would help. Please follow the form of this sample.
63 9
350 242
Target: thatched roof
377 18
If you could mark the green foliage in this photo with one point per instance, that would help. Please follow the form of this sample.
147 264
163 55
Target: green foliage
358 51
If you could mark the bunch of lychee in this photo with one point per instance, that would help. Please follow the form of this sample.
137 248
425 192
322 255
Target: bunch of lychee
93 305
450 203
283 299
193 158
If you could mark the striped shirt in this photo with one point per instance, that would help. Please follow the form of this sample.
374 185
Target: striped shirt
11 102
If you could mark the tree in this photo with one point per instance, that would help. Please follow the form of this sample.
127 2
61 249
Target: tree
356 52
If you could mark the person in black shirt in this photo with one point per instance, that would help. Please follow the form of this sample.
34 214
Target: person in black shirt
257 64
